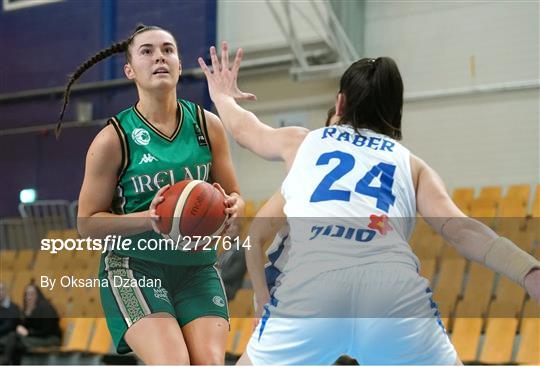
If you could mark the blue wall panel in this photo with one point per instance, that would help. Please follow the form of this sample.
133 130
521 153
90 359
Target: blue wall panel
46 43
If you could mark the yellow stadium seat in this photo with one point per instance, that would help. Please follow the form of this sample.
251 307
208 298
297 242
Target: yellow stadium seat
536 203
513 222
466 330
92 308
65 260
510 208
499 335
427 268
88 259
45 261
510 293
425 243
6 277
449 252
24 260
70 233
7 260
533 225
245 335
60 298
446 323
80 298
54 234
529 347
101 342
78 337
18 285
242 304
492 193
234 334
484 209
479 286
463 197
64 323
241 330
250 209
520 193
421 228
448 286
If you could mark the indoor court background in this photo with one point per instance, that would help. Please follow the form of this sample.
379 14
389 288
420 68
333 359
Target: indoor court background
472 111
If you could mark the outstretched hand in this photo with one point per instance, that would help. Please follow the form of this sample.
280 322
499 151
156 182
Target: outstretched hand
222 80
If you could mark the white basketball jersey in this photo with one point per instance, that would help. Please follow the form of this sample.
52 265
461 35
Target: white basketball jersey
350 200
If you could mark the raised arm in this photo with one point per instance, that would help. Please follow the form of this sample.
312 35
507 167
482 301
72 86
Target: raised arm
246 129
471 238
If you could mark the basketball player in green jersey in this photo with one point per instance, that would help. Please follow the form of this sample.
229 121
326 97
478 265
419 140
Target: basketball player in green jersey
170 307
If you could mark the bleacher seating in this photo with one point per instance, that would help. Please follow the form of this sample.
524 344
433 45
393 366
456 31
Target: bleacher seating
500 333
489 318
467 329
528 352
463 198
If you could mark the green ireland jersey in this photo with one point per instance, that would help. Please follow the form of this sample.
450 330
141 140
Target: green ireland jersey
151 160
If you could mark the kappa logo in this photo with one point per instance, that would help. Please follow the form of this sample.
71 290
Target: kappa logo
161 293
218 301
148 158
140 136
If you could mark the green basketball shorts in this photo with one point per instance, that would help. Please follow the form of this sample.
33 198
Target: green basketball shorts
137 288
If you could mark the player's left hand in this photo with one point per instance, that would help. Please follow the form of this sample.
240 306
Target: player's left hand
152 213
234 208
222 80
532 284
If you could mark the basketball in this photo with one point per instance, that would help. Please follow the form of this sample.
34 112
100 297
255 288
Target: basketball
191 208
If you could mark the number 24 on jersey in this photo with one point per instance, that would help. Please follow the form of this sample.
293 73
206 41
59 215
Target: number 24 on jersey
383 194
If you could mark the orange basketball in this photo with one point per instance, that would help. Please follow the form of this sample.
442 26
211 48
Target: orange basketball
191 208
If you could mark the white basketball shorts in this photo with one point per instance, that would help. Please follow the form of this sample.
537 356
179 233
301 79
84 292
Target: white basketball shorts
377 314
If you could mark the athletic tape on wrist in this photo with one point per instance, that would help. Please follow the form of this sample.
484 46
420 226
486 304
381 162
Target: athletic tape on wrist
505 258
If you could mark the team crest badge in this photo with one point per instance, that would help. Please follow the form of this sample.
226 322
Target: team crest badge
218 301
140 136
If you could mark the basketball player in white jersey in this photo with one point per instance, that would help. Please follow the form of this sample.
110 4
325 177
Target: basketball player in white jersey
351 284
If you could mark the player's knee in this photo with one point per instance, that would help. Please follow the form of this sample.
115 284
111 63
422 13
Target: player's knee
169 359
211 357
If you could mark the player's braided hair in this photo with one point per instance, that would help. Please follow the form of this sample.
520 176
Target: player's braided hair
115 48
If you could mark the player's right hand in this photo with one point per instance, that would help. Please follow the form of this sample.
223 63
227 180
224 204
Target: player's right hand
152 215
222 81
